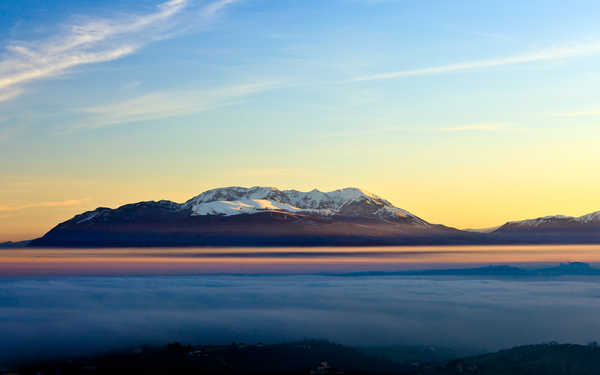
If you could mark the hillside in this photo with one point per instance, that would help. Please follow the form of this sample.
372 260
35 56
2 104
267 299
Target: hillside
256 216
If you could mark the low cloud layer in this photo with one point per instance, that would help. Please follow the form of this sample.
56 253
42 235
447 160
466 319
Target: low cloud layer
69 316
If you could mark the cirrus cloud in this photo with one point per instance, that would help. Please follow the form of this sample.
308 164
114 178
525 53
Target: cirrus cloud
89 40
555 53
23 206
166 104
475 127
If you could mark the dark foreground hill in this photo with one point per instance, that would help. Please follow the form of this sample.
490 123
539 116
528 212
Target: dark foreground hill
322 357
544 359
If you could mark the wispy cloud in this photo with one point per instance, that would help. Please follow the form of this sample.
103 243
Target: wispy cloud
23 206
212 9
492 35
555 53
577 114
88 40
369 131
80 43
6 95
475 127
273 172
166 104
131 85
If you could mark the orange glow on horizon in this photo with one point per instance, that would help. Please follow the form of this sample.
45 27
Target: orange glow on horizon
279 260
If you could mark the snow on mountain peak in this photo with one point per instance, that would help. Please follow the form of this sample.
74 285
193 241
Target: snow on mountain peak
348 201
585 219
313 199
539 221
243 206
594 217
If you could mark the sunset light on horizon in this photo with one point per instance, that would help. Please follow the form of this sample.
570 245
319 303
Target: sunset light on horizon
300 187
459 117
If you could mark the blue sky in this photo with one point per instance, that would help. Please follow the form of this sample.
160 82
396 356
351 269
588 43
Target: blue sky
466 113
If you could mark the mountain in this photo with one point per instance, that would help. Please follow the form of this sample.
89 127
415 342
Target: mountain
293 358
12 245
547 359
563 269
257 216
349 202
553 229
266 216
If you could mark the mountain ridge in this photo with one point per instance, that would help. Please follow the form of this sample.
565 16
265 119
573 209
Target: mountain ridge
235 200
267 216
554 228
256 216
593 217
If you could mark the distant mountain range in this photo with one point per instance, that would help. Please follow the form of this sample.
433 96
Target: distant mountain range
557 228
11 244
266 216
563 269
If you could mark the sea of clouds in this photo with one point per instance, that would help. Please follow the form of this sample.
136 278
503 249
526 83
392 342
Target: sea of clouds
44 317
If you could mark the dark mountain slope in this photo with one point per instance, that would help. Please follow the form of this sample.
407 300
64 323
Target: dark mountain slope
254 217
544 359
552 229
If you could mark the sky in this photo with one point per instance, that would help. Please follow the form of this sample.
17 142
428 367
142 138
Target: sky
466 113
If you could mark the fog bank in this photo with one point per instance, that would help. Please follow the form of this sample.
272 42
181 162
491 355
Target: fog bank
74 315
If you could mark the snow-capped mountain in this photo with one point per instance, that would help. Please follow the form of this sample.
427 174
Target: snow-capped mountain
555 228
252 216
594 217
553 220
230 201
266 216
351 202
